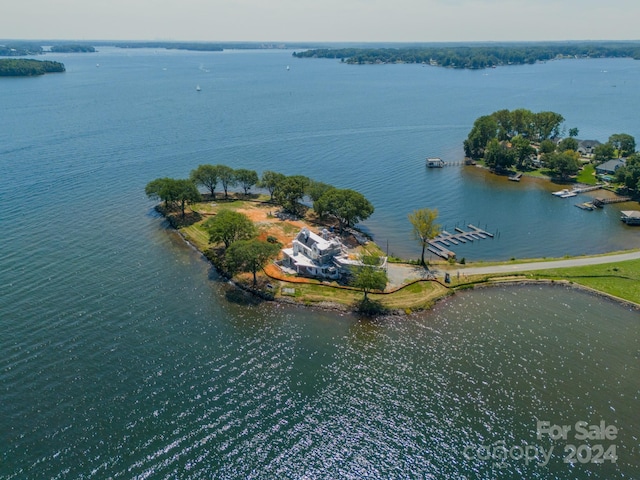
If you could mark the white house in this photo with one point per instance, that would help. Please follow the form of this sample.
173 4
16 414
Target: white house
320 256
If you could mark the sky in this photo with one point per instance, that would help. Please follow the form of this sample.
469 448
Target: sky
321 20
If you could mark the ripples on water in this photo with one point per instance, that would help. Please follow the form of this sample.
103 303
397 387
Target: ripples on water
124 356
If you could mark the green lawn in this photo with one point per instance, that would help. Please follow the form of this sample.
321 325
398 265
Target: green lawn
587 175
619 279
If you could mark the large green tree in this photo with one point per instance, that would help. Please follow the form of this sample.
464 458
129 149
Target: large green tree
522 150
484 129
603 152
290 192
624 143
186 192
173 192
368 278
227 176
547 125
629 174
424 227
347 206
565 163
249 256
246 178
498 156
270 180
161 189
206 176
229 226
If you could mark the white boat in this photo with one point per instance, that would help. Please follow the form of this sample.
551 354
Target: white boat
568 195
560 193
198 88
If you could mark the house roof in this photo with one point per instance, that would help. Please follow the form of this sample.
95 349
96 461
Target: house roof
611 165
588 143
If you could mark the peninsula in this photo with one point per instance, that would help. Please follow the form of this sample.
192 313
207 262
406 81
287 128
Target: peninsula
280 253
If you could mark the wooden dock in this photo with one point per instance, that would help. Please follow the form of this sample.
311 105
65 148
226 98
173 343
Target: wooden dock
598 202
439 244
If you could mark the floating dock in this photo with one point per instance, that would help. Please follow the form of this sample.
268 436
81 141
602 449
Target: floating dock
439 244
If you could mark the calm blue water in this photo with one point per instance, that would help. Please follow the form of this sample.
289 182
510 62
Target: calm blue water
124 355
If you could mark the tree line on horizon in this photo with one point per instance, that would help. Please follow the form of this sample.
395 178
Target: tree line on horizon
477 56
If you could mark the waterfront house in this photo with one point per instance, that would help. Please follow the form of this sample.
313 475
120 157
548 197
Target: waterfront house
320 256
587 147
609 167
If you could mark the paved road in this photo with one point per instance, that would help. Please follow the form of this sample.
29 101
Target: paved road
401 274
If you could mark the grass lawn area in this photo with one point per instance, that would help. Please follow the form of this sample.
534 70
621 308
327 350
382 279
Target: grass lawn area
417 296
587 175
619 279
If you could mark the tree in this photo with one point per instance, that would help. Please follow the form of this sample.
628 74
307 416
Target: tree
229 226
289 193
246 179
547 146
424 226
603 152
185 192
624 143
173 192
249 256
484 129
160 189
348 206
547 124
207 176
629 174
568 143
227 176
497 156
368 278
564 163
522 150
573 132
270 180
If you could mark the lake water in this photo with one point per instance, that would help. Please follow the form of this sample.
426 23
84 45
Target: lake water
125 356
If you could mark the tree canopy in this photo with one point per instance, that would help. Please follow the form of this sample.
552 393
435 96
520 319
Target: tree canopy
477 56
206 176
347 206
246 178
270 180
249 256
368 278
424 227
507 126
229 226
624 143
22 67
173 192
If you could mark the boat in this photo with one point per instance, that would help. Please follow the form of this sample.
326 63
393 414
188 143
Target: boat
585 206
288 67
198 88
515 177
568 195
559 193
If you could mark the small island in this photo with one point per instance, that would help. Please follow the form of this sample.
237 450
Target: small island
28 68
278 247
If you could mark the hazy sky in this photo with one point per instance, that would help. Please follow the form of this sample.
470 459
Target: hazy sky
322 20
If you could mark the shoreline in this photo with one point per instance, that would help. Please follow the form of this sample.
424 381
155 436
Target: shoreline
478 280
